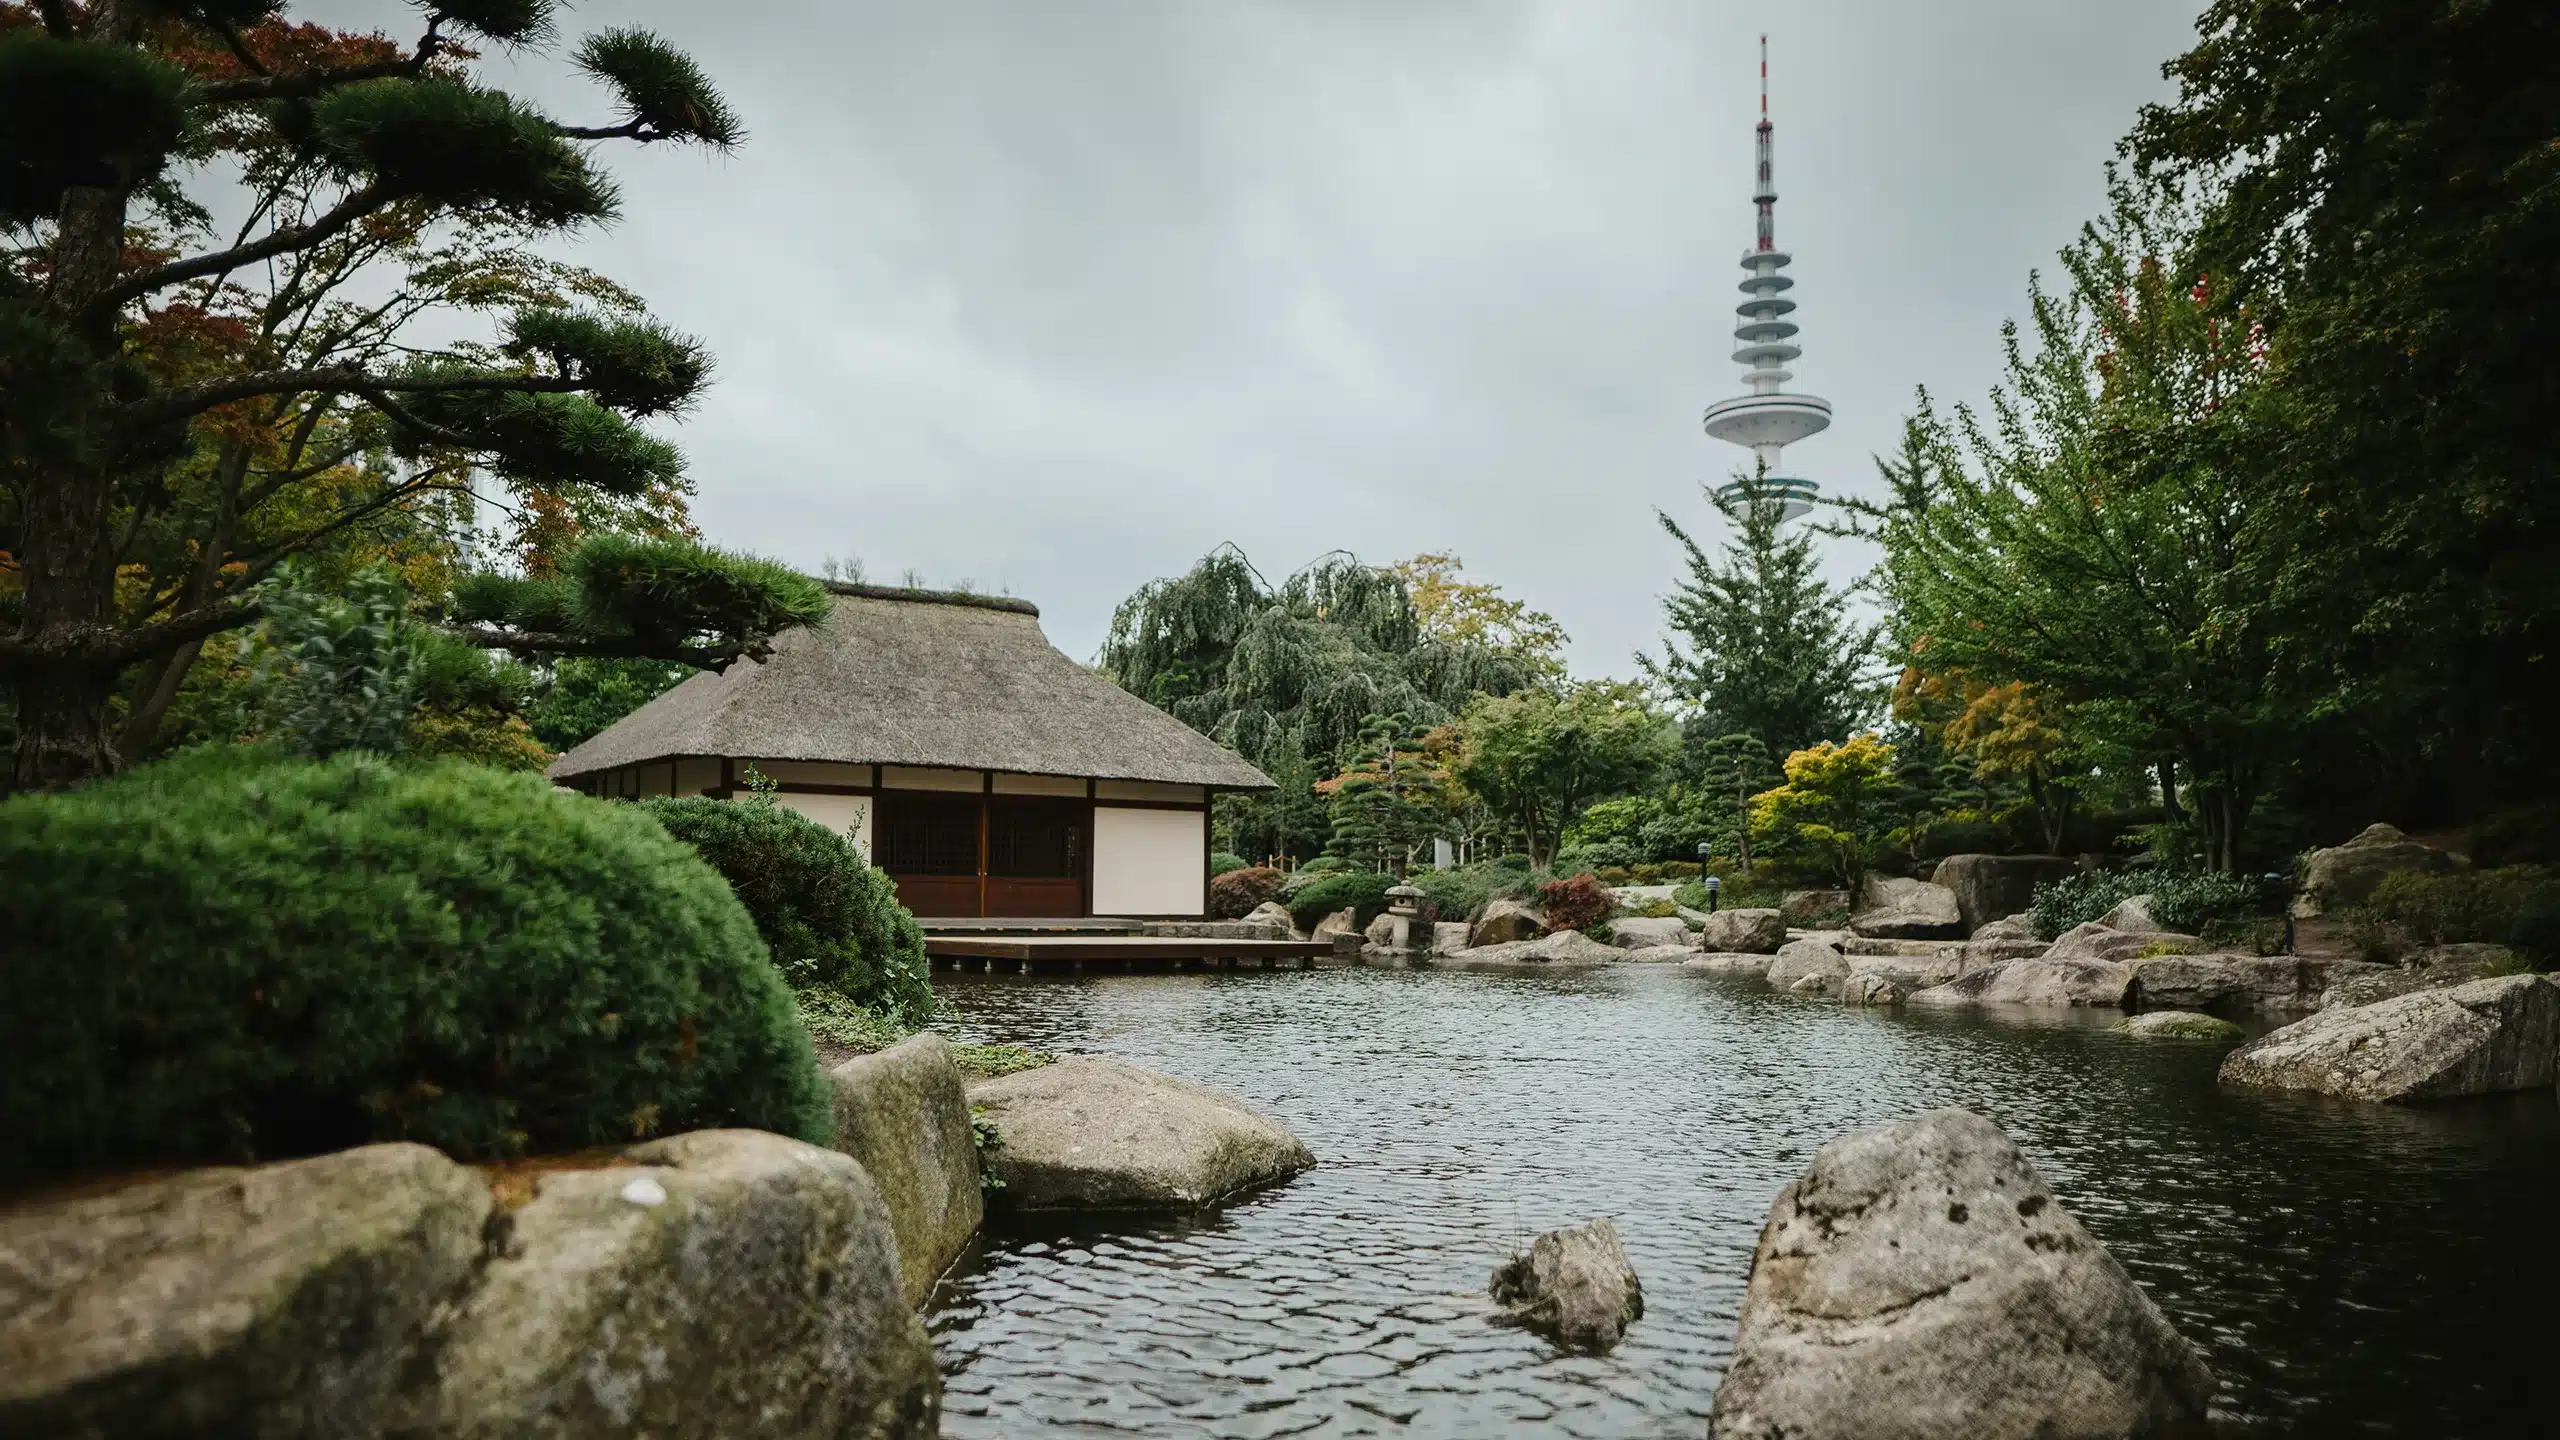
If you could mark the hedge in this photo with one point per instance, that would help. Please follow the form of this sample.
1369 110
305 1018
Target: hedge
1364 891
2183 900
829 918
237 955
1238 893
2465 905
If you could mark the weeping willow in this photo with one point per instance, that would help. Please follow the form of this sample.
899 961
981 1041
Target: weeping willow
1286 675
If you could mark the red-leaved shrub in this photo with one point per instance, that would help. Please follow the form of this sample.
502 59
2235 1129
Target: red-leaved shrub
1234 895
1576 904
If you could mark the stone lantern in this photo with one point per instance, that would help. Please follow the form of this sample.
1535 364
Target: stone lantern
1404 907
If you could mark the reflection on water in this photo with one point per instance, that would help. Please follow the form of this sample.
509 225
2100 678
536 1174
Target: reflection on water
2349 1269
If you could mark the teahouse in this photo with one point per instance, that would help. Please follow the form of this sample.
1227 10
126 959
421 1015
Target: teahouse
985 772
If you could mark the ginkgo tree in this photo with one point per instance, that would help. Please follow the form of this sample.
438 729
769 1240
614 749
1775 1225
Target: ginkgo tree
267 379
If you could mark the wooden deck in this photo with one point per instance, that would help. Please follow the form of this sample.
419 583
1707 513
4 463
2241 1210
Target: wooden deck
1037 953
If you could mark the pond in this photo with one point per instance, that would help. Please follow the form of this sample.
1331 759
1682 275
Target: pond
2349 1269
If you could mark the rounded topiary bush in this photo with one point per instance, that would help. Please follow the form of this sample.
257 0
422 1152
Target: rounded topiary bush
829 918
235 955
1363 891
1238 893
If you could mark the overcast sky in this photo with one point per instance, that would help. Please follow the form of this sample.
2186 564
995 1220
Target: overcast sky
1055 297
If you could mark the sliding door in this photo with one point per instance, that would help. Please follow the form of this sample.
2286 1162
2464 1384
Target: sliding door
929 846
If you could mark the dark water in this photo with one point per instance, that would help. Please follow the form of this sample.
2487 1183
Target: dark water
2349 1269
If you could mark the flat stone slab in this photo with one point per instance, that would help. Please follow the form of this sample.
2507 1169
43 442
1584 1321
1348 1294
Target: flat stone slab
2181 1025
1730 963
1091 1133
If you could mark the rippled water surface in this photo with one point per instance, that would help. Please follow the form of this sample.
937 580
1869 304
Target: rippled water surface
2349 1269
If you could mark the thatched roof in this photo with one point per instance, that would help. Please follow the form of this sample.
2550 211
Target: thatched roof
919 677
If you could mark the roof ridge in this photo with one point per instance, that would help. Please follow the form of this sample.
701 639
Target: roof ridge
934 597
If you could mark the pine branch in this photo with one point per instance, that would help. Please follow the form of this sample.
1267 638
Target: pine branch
303 84
619 648
20 653
356 206
338 379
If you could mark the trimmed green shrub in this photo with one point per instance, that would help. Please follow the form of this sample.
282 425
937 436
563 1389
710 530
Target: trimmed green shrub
1365 891
2528 836
1577 902
1513 862
238 955
2535 937
1461 894
1234 894
2460 905
1311 872
831 921
2183 900
1221 862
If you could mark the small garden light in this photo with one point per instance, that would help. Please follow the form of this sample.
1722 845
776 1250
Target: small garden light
1714 884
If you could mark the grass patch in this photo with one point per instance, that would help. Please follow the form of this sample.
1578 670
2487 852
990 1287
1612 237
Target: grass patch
986 1062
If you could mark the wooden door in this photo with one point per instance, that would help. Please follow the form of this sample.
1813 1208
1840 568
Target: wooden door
929 846
1036 853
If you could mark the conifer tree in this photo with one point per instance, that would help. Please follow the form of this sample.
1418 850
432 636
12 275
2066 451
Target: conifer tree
1385 807
1758 642
137 337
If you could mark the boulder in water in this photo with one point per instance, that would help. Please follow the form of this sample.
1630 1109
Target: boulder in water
2181 1025
1574 1286
904 1114
1637 932
1800 958
1920 1282
1735 931
2478 1038
1089 1133
1728 963
2036 982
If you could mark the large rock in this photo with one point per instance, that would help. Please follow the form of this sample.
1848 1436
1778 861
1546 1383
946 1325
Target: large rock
724 1283
284 1300
2181 1025
1657 955
2105 983
2007 928
1731 963
904 1114
2478 1038
1506 921
1812 907
1908 972
2094 941
1920 1282
1636 932
1381 932
1873 989
1448 937
1565 947
1271 919
1989 887
1574 1285
1344 921
1089 1133
2229 983
2133 913
1800 958
2345 875
2438 968
1732 931
1898 908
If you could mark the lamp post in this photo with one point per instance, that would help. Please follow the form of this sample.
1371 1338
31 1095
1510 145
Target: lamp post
1715 883
1707 852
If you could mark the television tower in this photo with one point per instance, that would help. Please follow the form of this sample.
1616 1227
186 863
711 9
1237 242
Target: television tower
1765 419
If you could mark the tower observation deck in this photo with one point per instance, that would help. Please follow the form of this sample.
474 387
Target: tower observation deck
1765 418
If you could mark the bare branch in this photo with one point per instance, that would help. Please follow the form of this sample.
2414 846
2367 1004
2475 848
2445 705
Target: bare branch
111 649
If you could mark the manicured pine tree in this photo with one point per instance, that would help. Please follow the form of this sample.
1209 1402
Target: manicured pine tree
1385 807
112 115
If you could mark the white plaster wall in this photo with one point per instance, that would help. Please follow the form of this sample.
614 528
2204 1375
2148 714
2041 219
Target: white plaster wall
847 815
1040 785
1149 862
1146 790
908 777
806 772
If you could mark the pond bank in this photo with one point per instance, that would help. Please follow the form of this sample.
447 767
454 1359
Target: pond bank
2343 1266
